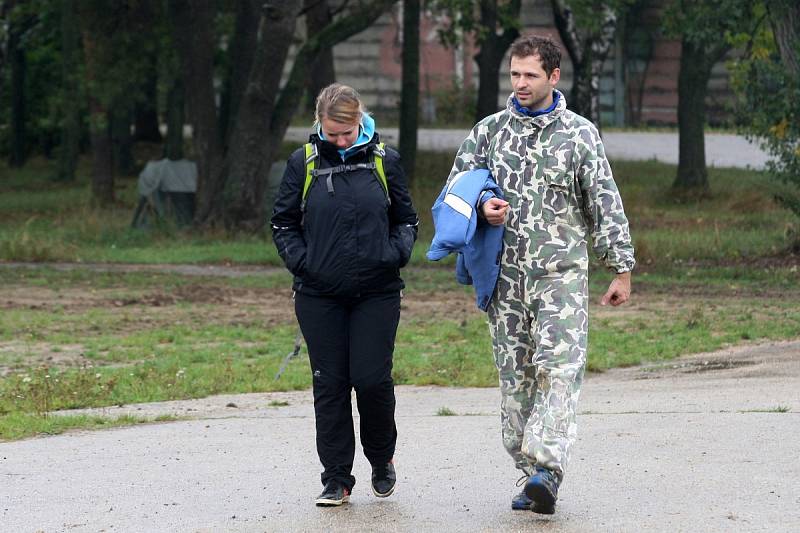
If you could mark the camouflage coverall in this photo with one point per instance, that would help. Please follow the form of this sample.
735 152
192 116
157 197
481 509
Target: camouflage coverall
555 175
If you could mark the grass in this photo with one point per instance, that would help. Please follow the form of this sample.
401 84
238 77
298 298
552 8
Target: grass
711 274
776 409
66 344
45 221
21 425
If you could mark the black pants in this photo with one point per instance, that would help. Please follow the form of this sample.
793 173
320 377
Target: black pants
350 344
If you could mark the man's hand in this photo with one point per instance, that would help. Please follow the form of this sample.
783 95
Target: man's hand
494 210
619 291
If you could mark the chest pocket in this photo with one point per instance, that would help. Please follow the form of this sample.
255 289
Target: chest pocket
558 194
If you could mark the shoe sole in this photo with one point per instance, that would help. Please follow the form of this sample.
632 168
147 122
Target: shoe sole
384 494
543 501
327 502
520 507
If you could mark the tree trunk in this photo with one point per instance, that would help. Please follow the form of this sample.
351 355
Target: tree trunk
493 48
409 96
488 78
122 140
246 183
173 149
102 156
580 97
243 46
587 51
695 71
146 123
71 109
16 54
193 24
251 152
99 130
318 16
785 18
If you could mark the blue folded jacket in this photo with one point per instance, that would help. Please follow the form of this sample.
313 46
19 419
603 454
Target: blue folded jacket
460 230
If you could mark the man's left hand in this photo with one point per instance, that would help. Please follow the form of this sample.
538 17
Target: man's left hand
619 291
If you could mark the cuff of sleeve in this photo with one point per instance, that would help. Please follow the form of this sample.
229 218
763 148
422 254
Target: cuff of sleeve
485 195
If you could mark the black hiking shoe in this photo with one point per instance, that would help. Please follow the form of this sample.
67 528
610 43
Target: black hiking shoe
542 489
521 502
384 479
333 495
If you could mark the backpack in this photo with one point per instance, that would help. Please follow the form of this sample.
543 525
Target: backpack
312 172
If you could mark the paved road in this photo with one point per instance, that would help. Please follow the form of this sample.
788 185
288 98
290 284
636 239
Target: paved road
693 445
722 150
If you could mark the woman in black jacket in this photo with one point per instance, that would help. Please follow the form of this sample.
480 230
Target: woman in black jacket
344 225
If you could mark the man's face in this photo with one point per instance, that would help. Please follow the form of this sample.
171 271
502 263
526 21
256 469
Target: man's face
342 135
532 86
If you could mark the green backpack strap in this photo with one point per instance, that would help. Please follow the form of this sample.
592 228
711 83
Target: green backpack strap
378 154
311 161
312 155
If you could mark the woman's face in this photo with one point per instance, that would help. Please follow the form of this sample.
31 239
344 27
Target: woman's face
342 135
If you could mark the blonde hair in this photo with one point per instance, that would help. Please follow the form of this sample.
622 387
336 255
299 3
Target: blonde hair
340 103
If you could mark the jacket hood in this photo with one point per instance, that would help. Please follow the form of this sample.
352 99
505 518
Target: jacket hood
366 133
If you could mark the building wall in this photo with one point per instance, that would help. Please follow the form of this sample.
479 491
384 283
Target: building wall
370 61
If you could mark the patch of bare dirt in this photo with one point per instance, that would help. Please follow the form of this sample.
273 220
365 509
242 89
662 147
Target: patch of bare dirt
38 354
752 360
450 305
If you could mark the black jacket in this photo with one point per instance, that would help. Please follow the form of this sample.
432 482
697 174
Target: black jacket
352 241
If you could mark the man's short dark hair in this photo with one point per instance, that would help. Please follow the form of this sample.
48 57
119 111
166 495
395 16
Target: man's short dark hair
544 47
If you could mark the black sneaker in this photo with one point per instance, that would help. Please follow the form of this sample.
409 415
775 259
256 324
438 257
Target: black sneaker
521 502
383 479
333 495
542 489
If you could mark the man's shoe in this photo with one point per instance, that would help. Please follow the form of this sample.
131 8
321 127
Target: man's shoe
384 479
521 502
542 489
333 495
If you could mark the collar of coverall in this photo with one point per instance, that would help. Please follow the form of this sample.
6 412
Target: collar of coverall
539 121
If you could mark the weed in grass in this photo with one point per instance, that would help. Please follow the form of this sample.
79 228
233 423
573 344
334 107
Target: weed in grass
776 409
696 318
446 411
278 403
42 390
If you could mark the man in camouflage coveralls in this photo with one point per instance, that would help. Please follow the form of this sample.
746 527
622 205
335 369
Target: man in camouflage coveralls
559 191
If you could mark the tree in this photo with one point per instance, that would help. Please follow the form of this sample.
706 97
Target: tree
173 147
702 27
588 39
767 81
639 32
69 148
243 46
495 24
21 21
318 15
118 38
193 35
232 183
409 96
